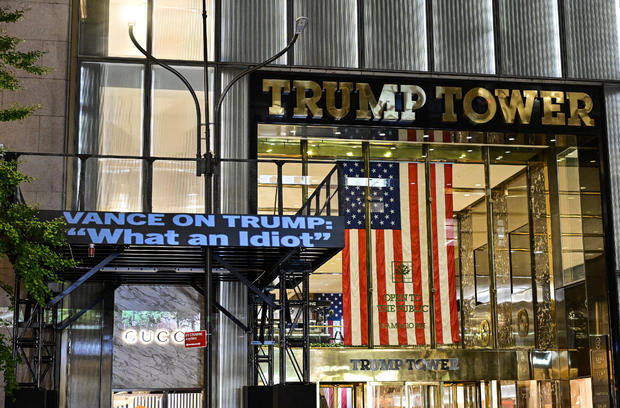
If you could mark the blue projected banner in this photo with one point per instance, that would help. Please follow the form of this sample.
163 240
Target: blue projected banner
86 227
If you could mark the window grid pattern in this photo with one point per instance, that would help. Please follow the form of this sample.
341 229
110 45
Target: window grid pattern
356 34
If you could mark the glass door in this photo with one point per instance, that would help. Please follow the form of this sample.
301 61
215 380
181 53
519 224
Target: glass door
423 396
461 395
341 395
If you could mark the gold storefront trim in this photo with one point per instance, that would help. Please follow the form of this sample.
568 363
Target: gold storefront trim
335 365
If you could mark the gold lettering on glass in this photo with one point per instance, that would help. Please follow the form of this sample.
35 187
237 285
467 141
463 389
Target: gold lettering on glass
468 108
277 86
450 93
411 105
515 104
330 98
551 110
304 103
578 114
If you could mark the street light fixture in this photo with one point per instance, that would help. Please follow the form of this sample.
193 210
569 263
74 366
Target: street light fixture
204 165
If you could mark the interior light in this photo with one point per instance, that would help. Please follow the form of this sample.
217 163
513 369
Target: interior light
469 137
300 24
431 149
309 151
467 195
469 150
499 157
292 132
552 140
393 148
131 13
388 154
511 139
381 134
337 132
592 161
269 150
507 151
349 153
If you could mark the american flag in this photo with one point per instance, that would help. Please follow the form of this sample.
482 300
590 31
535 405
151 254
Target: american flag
399 243
334 314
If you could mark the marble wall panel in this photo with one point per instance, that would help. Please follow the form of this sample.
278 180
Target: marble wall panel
501 268
149 364
543 273
468 301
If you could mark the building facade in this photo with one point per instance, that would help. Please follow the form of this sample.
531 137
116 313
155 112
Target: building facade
470 148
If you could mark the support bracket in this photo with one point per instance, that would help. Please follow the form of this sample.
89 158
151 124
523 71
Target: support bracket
71 319
83 279
245 281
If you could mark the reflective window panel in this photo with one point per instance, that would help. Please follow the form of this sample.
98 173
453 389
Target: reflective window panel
395 35
173 124
463 36
110 120
104 27
330 39
530 38
253 31
177 29
113 185
592 39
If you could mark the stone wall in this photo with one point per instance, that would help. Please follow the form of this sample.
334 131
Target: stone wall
143 361
46 26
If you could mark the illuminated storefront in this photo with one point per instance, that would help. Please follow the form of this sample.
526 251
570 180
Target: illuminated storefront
469 249
469 147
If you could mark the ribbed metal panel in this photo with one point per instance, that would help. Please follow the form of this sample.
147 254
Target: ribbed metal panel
232 345
530 38
330 39
84 373
591 39
395 34
252 31
463 36
234 177
612 108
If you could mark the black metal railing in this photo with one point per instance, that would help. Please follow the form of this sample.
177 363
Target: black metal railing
326 199
81 184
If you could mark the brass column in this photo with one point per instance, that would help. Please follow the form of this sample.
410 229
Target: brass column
368 227
429 239
491 251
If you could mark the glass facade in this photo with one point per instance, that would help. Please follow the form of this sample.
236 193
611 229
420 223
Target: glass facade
458 243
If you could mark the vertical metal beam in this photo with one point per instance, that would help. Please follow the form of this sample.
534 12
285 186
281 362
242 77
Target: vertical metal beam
368 227
530 220
207 373
282 327
304 171
490 245
306 305
429 240
270 347
279 188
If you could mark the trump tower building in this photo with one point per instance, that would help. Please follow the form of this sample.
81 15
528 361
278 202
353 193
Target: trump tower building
413 205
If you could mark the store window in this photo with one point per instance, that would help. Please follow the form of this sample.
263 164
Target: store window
176 28
486 231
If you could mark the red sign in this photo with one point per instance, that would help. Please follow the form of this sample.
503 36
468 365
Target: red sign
196 339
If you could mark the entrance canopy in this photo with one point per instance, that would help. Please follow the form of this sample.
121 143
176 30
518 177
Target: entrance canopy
170 248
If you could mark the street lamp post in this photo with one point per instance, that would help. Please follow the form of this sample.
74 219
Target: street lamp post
205 164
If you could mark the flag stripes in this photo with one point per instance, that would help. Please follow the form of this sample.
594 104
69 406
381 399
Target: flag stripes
399 241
